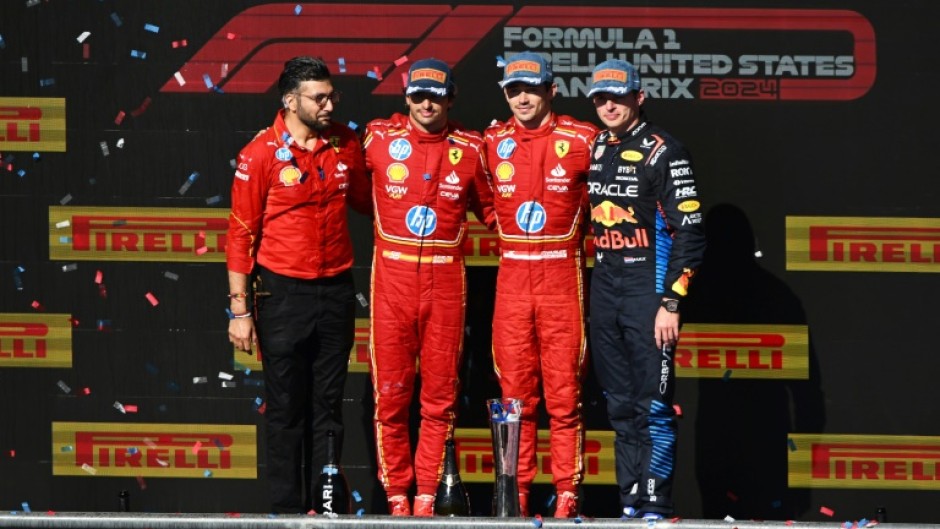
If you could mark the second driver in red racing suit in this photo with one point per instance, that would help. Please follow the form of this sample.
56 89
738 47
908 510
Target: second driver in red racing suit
539 162
427 172
649 238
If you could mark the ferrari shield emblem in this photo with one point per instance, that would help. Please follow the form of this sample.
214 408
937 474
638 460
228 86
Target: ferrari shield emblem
562 147
454 155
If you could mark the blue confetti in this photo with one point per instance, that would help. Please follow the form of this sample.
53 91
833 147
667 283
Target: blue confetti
231 315
550 501
357 496
500 61
26 507
253 382
137 54
18 277
537 523
218 443
37 157
116 19
372 75
132 450
360 512
21 173
208 80
792 444
342 65
49 81
863 522
213 200
151 28
577 519
67 448
726 376
297 9
207 473
353 125
3 43
193 176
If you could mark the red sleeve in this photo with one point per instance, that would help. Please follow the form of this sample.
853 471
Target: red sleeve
359 193
249 193
481 196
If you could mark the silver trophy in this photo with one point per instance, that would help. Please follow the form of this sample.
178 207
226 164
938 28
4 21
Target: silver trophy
504 424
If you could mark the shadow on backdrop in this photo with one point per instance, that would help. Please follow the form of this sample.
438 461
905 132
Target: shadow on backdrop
742 424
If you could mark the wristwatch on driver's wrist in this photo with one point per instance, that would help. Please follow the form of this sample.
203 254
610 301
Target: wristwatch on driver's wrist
671 305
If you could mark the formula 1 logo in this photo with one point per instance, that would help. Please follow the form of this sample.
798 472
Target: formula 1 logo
674 48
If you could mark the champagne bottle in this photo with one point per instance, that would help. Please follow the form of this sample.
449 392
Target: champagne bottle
452 498
331 493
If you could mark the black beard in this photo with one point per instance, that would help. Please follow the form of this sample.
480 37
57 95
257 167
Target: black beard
316 124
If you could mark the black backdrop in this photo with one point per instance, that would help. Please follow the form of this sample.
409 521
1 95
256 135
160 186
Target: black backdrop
871 352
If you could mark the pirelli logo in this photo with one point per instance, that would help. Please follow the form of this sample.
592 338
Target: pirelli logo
137 234
35 340
154 450
862 244
743 351
358 360
32 124
475 456
864 462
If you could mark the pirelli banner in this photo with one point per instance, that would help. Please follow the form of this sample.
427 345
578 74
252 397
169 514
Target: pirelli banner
475 456
154 450
32 124
358 359
137 234
35 340
863 244
864 462
743 351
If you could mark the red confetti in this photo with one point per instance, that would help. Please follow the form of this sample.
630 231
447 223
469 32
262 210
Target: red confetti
103 291
99 276
12 453
152 299
827 511
201 250
262 408
86 391
675 520
231 36
678 410
50 513
377 72
789 522
141 483
130 408
37 305
196 447
120 118
144 105
74 321
86 51
404 79
401 60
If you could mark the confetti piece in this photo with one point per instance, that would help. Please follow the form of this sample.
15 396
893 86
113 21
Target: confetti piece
225 376
404 79
86 51
141 483
378 73
86 391
73 321
131 450
99 276
149 442
171 275
67 448
677 409
151 28
360 512
116 19
90 469
362 299
231 36
726 376
120 143
49 81
792 444
21 173
163 463
196 447
104 148
31 3
342 65
37 305
24 64
63 224
297 10
130 408
201 250
353 125
137 54
152 299
18 277
232 163
119 118
401 60
119 407
66 199
189 182
179 78
500 61
3 43
207 473
729 519
371 74
213 200
208 80
224 72
64 387
537 521
226 384
357 496
103 291
25 506
827 511
144 105
200 380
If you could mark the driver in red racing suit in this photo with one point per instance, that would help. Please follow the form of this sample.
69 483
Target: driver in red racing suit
426 173
539 162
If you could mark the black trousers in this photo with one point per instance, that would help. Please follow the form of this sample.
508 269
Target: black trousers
305 329
638 380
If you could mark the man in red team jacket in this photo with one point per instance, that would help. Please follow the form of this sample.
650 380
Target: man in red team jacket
539 162
426 172
288 229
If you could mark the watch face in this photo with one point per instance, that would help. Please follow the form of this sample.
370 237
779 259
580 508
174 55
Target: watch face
671 305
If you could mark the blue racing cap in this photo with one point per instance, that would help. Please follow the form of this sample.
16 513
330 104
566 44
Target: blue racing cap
614 77
430 75
526 67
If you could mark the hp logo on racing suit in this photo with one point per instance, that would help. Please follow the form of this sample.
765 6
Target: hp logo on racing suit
421 220
505 148
399 149
530 217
